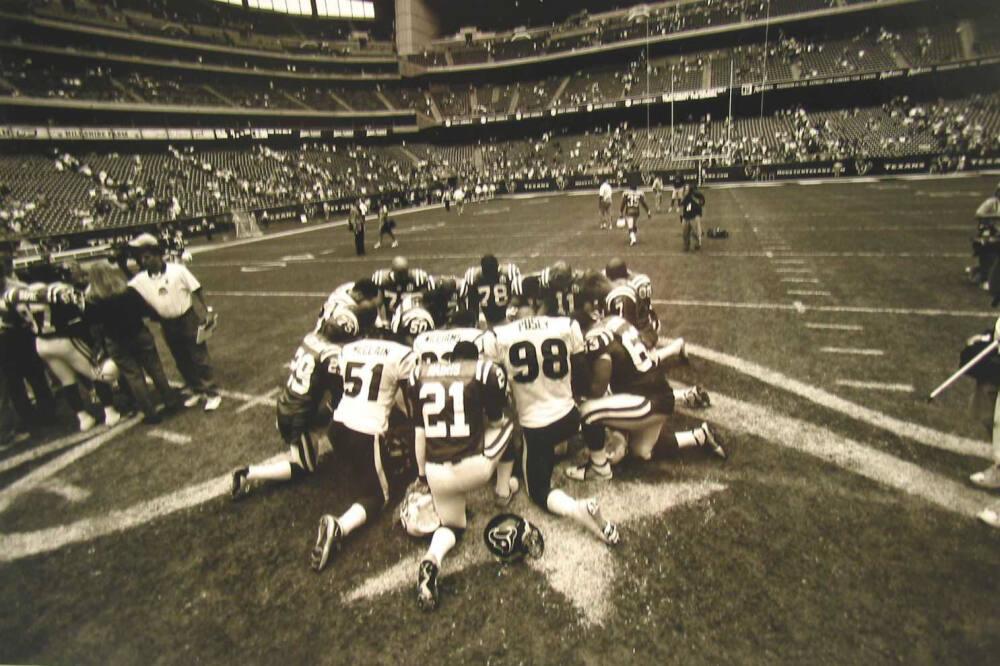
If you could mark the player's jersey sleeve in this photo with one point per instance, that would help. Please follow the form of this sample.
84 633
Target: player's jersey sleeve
574 338
623 302
598 341
494 386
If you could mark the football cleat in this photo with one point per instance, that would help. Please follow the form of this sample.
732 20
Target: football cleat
427 586
697 397
501 500
240 486
87 422
377 245
590 471
329 536
192 400
990 517
212 403
713 441
395 243
609 531
989 478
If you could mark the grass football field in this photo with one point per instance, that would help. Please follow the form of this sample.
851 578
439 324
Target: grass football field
841 529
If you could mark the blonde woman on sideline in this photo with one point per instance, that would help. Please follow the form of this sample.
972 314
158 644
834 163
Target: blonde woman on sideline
115 313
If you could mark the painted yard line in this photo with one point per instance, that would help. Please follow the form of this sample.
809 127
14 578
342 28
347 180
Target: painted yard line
603 255
170 436
342 222
67 491
236 395
801 280
852 351
790 261
948 494
986 314
834 327
800 292
876 386
265 400
918 433
733 414
793 270
15 546
39 451
287 294
53 467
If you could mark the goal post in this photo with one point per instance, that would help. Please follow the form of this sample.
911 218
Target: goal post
245 224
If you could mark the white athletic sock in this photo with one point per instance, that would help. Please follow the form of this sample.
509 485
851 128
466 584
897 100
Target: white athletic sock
561 504
681 395
352 519
690 438
504 471
278 471
631 236
441 543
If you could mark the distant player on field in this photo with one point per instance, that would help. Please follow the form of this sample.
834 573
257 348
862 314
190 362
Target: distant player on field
677 193
692 206
632 200
658 191
604 196
386 225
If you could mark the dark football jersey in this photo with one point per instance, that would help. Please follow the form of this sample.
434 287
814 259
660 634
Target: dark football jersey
692 204
394 289
623 301
631 201
454 401
310 377
633 369
50 310
443 300
489 295
551 297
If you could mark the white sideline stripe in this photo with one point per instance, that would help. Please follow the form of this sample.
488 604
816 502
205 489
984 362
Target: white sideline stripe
172 437
793 270
37 476
69 440
733 414
884 468
800 292
801 280
368 259
64 489
876 386
835 327
789 261
829 308
342 222
852 350
918 433
288 294
25 544
264 400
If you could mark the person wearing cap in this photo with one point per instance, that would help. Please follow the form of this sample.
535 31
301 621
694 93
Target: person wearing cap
176 297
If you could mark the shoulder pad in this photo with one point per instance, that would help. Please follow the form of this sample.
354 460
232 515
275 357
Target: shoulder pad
598 339
621 291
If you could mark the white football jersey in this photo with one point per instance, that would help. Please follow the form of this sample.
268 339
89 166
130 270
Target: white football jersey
437 345
372 372
605 191
536 352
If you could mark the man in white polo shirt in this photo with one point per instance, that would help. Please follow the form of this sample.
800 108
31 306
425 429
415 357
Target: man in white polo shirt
176 297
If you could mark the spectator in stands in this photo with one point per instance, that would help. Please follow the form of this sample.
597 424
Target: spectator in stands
115 313
176 297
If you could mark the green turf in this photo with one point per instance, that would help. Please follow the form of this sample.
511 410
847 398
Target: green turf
796 561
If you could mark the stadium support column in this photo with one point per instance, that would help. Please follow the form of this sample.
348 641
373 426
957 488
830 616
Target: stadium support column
416 25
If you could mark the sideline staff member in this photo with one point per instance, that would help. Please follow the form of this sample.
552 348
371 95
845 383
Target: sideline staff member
176 297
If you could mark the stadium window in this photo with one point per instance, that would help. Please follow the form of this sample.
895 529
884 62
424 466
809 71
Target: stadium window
357 9
278 6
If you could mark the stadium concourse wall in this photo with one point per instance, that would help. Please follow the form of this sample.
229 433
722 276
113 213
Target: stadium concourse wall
853 167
